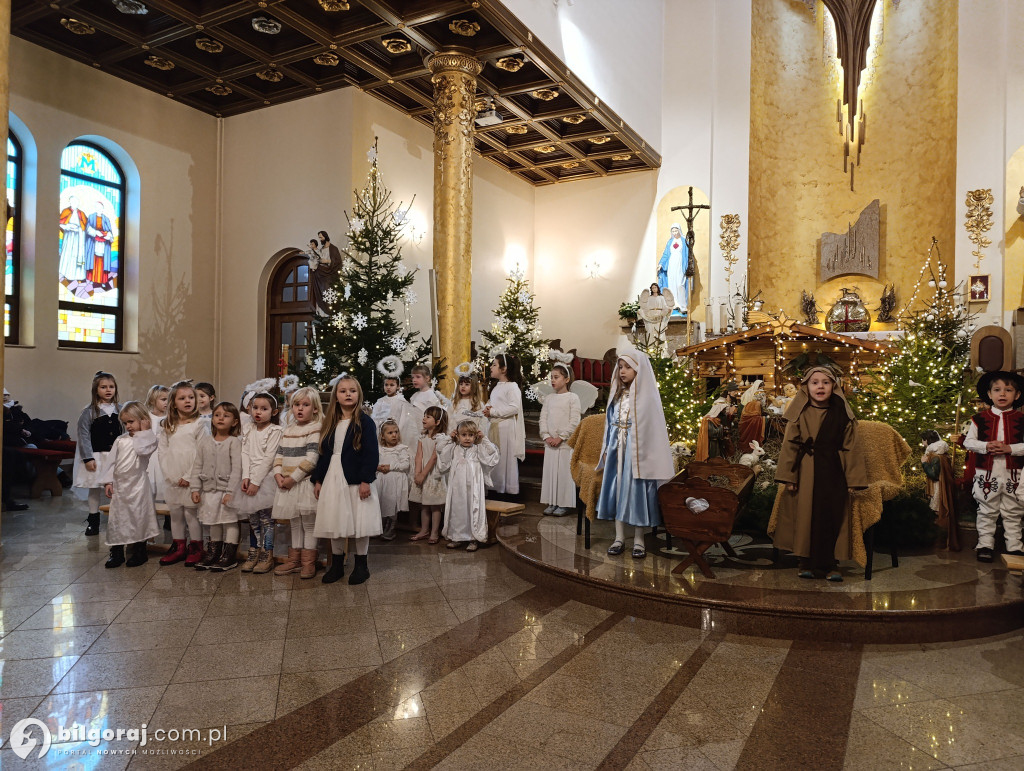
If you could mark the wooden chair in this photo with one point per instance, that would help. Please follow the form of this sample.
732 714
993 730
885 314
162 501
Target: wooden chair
586 443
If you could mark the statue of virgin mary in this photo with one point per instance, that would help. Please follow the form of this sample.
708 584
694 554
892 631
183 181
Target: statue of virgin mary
672 269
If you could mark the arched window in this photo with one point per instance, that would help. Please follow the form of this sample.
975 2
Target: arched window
92 227
289 315
12 267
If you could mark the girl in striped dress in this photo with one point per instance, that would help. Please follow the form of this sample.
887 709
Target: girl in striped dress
296 458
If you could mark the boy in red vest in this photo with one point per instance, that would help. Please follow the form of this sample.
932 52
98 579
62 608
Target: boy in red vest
997 437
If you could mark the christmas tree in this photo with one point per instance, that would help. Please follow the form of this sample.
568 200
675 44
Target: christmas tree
516 331
920 384
361 334
683 397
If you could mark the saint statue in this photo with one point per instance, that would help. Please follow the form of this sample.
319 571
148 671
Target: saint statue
672 269
324 262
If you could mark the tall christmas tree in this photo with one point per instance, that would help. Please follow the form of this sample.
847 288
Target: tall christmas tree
361 333
683 397
516 330
919 385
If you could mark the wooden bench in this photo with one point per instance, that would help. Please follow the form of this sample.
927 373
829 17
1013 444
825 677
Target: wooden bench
496 510
47 460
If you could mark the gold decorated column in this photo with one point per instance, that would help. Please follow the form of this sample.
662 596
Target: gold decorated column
5 101
454 78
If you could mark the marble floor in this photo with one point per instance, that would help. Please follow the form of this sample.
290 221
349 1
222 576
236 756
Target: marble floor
448 659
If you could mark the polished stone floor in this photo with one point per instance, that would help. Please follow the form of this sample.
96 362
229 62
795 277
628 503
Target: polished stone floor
449 659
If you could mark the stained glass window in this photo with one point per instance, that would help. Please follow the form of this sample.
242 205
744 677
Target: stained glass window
91 232
12 288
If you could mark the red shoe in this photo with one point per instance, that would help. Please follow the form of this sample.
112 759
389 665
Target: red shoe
177 553
195 553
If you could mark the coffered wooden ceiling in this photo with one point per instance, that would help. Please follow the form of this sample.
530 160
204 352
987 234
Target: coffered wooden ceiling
226 58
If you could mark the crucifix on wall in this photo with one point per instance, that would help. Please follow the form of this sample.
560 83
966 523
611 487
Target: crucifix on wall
690 212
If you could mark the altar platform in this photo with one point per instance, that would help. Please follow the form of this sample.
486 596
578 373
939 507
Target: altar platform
930 597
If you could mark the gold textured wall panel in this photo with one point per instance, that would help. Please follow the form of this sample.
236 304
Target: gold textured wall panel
798 188
1013 261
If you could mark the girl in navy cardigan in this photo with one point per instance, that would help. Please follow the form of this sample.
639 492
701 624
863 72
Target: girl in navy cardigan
347 504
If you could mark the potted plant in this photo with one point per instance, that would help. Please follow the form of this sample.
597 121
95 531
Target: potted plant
629 311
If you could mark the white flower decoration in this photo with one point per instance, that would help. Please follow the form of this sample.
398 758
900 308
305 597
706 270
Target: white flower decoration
362 356
319 364
288 383
398 343
359 322
410 297
390 366
330 295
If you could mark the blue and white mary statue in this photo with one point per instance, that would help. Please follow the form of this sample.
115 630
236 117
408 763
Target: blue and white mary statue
672 269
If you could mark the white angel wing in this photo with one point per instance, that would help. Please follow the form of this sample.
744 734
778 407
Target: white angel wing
670 299
544 390
587 392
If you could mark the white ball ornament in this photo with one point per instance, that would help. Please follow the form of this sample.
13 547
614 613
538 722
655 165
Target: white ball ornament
931 282
943 284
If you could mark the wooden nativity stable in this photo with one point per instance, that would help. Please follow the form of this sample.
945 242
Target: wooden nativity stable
762 351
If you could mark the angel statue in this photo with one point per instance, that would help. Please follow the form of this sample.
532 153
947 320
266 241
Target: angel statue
656 305
887 304
809 308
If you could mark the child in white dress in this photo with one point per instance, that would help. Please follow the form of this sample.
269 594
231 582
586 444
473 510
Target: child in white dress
559 416
125 479
507 430
216 485
394 406
468 399
428 488
206 397
392 480
294 501
260 439
178 445
98 427
156 404
347 504
466 461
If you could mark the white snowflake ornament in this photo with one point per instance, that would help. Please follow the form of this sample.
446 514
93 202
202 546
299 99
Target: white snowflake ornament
357 224
401 216
362 356
398 344
319 364
347 264
359 322
531 393
524 296
330 295
400 270
410 297
371 154
338 320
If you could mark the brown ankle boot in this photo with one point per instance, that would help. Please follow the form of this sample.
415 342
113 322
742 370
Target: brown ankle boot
308 563
290 565
250 560
265 563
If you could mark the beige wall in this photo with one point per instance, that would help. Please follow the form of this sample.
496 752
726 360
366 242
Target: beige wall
169 244
798 189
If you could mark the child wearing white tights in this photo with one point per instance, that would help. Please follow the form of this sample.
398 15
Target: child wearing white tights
296 459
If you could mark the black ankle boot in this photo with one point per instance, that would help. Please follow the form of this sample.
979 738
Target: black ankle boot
93 528
116 557
360 572
137 554
336 570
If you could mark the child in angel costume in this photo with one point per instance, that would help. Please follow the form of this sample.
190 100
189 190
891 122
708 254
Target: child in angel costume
504 409
563 400
392 405
996 437
466 460
636 455
216 486
468 398
125 478
392 480
817 468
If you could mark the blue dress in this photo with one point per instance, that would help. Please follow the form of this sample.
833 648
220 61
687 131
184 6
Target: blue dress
623 497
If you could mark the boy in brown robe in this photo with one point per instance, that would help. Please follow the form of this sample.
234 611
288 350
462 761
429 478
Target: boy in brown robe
818 469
